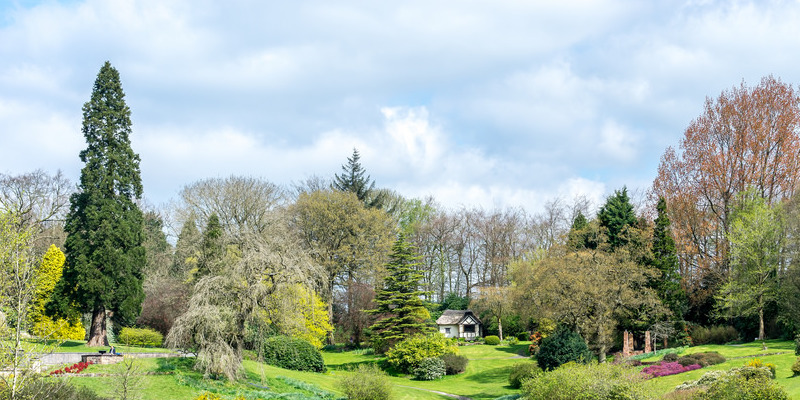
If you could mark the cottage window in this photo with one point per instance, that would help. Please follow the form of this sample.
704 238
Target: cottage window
447 330
469 328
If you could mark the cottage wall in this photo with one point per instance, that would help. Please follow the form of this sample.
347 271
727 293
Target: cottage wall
453 330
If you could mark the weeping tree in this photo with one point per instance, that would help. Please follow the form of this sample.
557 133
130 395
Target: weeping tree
227 304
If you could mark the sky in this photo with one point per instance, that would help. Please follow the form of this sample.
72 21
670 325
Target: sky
487 104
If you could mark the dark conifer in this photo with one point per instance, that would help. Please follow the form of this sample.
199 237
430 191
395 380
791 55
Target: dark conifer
616 216
105 255
665 259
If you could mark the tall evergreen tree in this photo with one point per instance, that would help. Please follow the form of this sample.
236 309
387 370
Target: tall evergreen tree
187 249
104 250
212 249
354 179
616 216
665 259
400 307
582 234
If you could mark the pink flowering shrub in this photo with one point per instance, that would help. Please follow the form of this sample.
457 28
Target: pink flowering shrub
667 368
72 369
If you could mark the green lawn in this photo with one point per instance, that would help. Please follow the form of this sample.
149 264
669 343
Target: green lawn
79 346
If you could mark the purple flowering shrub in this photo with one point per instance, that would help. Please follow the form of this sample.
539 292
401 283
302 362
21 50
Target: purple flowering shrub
667 368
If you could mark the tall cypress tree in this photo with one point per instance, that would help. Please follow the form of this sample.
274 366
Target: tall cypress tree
616 216
104 246
665 259
400 307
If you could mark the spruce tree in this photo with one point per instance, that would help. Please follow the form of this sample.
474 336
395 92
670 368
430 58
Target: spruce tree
616 216
665 259
354 179
104 245
400 309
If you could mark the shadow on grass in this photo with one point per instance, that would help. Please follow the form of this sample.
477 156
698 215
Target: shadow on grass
350 365
516 349
494 375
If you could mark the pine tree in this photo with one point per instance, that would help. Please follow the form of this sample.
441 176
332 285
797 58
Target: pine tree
665 259
354 179
104 250
616 216
400 307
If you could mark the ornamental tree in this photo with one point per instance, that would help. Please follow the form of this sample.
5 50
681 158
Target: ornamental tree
105 255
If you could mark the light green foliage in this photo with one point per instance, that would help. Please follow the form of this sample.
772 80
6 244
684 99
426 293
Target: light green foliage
309 319
407 355
430 369
796 367
745 383
293 353
756 236
757 363
367 382
587 381
491 340
521 372
47 276
140 337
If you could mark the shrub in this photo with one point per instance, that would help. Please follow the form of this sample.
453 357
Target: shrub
591 381
713 335
367 382
214 396
670 357
492 340
667 368
562 347
743 383
536 341
293 353
513 341
454 364
712 377
47 328
522 371
406 355
796 367
521 336
757 363
51 389
141 337
704 359
429 369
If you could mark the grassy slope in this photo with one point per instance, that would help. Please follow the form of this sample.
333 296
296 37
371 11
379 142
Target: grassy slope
486 376
737 355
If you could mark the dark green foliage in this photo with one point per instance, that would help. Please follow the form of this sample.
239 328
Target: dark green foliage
582 235
562 347
797 345
140 337
367 383
713 335
492 340
187 249
104 226
212 248
292 353
670 357
523 336
454 302
355 179
665 259
454 364
616 216
522 371
704 359
430 369
400 310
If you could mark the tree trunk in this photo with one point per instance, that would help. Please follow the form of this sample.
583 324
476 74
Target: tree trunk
97 333
500 327
760 320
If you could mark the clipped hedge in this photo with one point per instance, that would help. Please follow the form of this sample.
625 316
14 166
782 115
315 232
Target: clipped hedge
293 353
144 337
492 340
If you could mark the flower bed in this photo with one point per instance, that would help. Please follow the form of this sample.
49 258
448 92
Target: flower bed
667 368
72 369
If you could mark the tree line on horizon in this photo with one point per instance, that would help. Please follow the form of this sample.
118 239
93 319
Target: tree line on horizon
714 243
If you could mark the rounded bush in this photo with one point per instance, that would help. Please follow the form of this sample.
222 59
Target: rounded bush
367 382
430 369
562 347
797 345
796 367
454 364
144 337
293 353
522 336
513 341
492 340
406 355
522 371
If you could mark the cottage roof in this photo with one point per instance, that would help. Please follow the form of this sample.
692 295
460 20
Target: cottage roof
454 317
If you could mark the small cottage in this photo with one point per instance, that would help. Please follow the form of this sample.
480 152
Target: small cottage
460 324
